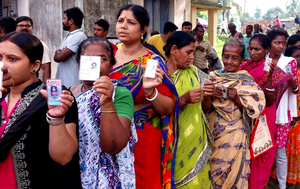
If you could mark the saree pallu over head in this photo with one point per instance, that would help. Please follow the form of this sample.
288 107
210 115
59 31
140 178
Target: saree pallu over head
230 160
100 169
157 134
195 143
280 80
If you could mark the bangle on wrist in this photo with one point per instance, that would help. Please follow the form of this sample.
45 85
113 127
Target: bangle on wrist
50 116
108 111
48 119
271 90
295 90
150 94
155 96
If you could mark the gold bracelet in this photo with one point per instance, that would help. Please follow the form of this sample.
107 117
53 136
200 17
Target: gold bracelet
111 111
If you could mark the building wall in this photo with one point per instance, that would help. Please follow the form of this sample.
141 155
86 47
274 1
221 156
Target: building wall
180 11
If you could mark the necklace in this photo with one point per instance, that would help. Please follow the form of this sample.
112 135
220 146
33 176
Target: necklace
132 56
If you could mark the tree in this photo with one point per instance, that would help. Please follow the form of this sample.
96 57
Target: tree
248 18
291 7
257 14
202 14
272 13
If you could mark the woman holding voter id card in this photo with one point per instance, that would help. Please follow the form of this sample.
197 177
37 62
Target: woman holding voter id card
145 75
38 142
105 112
195 141
274 82
287 106
231 117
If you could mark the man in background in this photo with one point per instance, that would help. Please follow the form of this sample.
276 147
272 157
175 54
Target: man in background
7 25
25 24
67 69
159 41
101 28
186 26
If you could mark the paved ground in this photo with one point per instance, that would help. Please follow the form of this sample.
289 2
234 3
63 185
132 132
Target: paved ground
273 184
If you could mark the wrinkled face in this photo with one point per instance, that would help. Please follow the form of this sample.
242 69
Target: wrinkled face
200 32
128 29
99 31
232 58
248 30
24 26
296 55
278 44
187 28
17 62
99 50
65 23
184 56
256 51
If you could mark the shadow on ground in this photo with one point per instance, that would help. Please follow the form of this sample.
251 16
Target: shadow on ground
273 184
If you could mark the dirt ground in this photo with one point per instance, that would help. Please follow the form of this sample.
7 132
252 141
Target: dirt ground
273 184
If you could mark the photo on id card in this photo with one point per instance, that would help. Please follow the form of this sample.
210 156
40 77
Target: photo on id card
54 91
89 68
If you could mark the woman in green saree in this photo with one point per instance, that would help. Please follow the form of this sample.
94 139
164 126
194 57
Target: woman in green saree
192 169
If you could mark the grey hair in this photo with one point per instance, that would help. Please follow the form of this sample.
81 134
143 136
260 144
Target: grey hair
96 40
235 42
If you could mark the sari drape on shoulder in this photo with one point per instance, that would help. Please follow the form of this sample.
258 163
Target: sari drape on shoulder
230 160
157 134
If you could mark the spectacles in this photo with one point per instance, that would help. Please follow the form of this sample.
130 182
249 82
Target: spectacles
24 26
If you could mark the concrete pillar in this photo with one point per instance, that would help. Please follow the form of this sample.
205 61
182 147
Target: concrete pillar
212 27
194 16
23 9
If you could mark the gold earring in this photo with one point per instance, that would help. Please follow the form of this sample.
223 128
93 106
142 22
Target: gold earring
142 36
33 71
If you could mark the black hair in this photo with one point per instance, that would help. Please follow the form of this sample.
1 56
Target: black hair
169 27
180 39
298 31
197 27
76 14
186 23
96 40
103 23
139 13
291 50
154 32
235 42
275 33
7 24
250 26
30 45
24 18
263 40
293 40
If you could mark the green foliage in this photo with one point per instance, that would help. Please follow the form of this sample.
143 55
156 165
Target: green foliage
220 43
202 14
272 13
291 31
248 18
291 7
257 14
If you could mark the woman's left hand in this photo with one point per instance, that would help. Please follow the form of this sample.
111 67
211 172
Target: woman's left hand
293 84
150 83
66 100
105 88
232 94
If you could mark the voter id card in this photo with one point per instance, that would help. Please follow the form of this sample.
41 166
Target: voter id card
89 68
151 68
54 91
267 64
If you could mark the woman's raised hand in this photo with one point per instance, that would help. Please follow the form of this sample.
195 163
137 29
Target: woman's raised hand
66 100
150 83
105 88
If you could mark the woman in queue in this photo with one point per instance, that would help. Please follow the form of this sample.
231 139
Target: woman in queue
154 101
274 83
230 119
293 146
38 143
287 106
106 135
195 140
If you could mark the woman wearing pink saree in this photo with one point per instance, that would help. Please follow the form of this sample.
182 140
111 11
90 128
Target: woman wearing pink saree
274 83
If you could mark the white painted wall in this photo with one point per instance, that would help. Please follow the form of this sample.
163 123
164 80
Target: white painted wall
23 9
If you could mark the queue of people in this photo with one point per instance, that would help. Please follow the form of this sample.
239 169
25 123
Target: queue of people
188 127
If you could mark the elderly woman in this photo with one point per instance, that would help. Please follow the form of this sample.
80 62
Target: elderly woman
195 141
38 142
106 135
230 119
